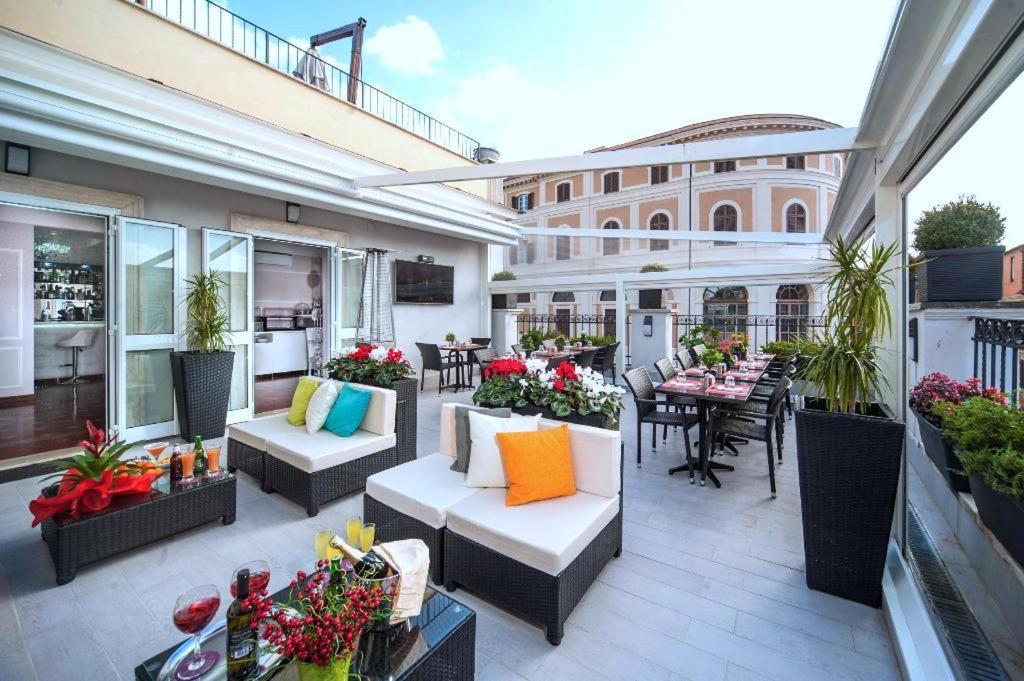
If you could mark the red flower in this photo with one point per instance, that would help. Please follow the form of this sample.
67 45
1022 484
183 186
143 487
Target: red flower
559 384
362 352
566 372
394 355
505 366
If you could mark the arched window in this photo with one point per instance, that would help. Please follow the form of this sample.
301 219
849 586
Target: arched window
726 308
796 218
563 192
610 246
725 219
658 221
792 310
563 297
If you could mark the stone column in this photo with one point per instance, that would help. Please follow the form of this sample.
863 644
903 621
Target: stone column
504 330
645 349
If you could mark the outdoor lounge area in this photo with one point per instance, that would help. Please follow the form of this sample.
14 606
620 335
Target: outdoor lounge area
301 383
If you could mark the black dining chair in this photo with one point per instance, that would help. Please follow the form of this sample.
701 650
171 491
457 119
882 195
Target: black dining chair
684 359
585 360
667 370
486 342
696 351
753 421
481 359
471 359
517 348
604 361
647 411
430 354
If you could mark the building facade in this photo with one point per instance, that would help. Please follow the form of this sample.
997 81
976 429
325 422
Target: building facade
778 194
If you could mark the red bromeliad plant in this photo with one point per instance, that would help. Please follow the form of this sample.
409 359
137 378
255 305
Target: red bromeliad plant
937 394
369 364
331 617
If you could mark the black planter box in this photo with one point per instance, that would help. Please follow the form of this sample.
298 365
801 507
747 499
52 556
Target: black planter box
941 453
595 420
202 390
1003 515
650 299
961 274
849 469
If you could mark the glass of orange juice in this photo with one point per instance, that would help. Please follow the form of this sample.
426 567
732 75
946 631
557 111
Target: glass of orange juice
188 462
322 542
366 533
212 461
352 529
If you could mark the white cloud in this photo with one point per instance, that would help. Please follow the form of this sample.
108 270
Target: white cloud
410 47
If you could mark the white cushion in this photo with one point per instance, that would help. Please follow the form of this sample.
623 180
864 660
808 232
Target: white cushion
546 535
596 458
448 429
313 452
485 467
257 432
380 413
423 489
320 405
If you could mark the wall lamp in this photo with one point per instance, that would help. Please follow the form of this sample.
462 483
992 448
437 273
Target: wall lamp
291 212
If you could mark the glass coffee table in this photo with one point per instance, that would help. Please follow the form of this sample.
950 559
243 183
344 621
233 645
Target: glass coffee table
131 521
439 643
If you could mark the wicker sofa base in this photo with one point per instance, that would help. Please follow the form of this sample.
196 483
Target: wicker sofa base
249 460
310 490
519 588
92 539
393 525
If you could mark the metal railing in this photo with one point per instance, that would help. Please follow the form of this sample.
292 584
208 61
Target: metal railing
760 329
230 30
573 325
997 347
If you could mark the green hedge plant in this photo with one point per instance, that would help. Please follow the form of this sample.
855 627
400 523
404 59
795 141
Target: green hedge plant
964 223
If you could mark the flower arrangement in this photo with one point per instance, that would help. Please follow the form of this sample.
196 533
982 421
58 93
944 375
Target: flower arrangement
332 618
741 343
701 334
89 480
566 390
532 339
936 395
369 364
712 358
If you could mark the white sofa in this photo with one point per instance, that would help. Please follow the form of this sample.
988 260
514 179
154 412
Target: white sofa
314 468
537 558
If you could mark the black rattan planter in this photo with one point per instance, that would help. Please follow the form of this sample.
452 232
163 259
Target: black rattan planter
1003 515
960 274
595 420
202 390
941 453
849 469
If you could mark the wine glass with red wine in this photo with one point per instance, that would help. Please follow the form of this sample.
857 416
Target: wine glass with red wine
192 612
259 576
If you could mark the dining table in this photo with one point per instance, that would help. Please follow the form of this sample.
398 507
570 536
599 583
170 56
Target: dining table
686 384
459 349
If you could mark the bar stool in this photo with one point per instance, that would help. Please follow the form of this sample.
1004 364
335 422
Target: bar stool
77 343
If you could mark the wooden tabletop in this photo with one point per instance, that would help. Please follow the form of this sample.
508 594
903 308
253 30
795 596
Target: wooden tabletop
684 386
467 347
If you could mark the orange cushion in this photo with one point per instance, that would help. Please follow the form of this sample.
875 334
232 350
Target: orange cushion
538 465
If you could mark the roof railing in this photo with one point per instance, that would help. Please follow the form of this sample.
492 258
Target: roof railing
216 23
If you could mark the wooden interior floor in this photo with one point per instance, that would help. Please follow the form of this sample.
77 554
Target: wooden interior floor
54 421
275 392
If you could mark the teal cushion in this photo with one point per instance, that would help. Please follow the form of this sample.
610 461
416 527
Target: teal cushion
348 411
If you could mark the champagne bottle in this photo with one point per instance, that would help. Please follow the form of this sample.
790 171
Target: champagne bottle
241 657
200 465
366 565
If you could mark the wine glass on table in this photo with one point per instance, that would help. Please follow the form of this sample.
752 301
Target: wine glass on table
259 576
193 610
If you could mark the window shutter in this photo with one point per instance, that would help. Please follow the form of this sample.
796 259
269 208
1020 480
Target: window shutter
529 201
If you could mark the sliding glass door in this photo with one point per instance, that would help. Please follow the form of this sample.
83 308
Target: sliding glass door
230 255
148 324
346 292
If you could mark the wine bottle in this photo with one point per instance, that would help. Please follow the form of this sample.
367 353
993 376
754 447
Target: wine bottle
366 565
200 465
241 657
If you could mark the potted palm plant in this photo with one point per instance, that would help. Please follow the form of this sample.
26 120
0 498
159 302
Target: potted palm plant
961 259
202 373
849 443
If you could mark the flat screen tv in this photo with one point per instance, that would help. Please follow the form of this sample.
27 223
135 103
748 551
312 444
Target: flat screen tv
425 284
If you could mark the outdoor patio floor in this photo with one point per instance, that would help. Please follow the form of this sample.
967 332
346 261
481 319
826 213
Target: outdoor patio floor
709 586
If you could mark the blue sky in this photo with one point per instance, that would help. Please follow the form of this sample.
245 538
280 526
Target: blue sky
543 78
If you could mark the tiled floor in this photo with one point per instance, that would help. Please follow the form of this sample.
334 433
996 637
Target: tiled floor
709 586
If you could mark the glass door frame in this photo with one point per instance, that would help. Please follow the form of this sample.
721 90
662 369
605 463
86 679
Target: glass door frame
339 332
244 337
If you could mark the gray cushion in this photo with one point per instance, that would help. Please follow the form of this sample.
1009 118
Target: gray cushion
462 431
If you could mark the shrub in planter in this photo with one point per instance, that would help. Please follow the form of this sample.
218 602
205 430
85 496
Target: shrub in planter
935 397
961 256
850 445
202 374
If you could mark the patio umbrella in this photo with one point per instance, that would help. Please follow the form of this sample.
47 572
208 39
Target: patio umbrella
313 70
376 317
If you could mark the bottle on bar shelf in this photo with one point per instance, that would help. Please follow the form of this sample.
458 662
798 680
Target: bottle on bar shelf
365 565
200 465
241 638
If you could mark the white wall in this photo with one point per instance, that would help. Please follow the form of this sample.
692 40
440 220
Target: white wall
16 304
195 206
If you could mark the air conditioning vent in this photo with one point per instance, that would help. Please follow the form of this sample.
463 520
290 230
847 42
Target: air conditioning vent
272 258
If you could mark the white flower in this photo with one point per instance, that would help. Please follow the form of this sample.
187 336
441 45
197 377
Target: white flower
346 351
379 354
535 366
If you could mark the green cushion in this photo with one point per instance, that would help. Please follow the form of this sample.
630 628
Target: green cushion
300 400
348 411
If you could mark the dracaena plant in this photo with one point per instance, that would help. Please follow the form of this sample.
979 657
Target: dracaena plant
846 370
206 319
